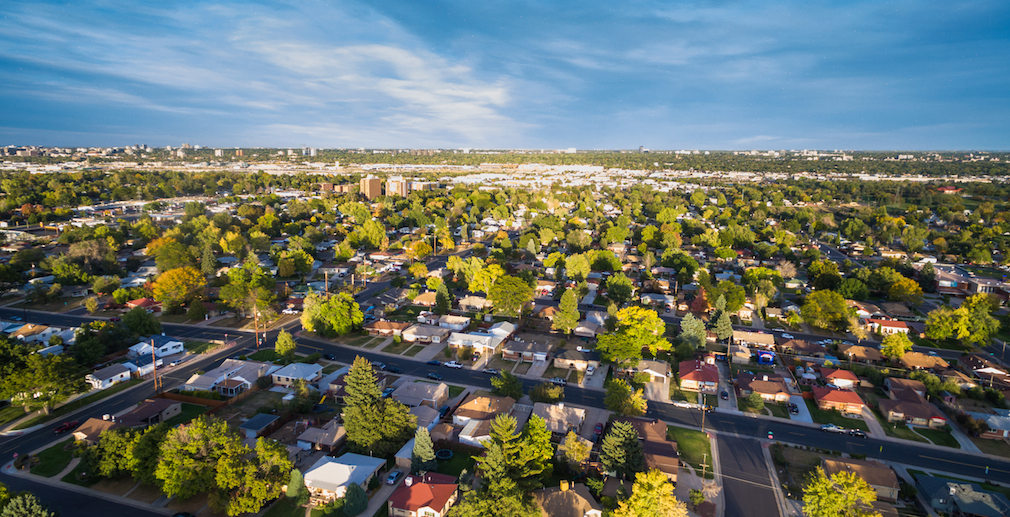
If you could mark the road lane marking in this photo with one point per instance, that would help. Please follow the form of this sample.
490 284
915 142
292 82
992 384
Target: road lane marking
976 465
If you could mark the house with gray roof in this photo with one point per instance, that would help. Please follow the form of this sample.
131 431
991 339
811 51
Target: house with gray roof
959 498
287 375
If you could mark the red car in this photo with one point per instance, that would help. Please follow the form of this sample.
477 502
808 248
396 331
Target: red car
115 318
66 426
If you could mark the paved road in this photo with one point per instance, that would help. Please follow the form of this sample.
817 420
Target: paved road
71 503
746 480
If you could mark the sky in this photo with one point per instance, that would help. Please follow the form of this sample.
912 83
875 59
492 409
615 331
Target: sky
851 74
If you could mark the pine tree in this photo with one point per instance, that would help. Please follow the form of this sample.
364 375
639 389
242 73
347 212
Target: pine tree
723 327
720 303
621 452
692 331
361 387
208 262
355 500
423 456
296 488
285 345
531 247
443 302
567 316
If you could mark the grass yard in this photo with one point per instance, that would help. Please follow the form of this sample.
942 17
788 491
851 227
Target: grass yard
797 463
383 511
397 348
174 318
200 347
454 391
71 477
233 323
523 368
694 448
822 416
266 355
189 412
357 341
330 368
676 394
374 342
79 403
454 465
939 437
54 459
61 305
551 372
11 413
994 447
414 350
500 364
778 410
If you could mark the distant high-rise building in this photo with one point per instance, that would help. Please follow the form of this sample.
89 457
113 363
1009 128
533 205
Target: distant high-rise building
371 187
218 152
313 151
239 152
325 187
187 146
396 186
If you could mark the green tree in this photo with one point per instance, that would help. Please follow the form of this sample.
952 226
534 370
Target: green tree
91 304
624 400
374 425
355 500
723 326
621 452
296 488
443 301
208 262
361 387
41 382
114 453
620 289
190 454
244 484
146 454
196 311
479 504
826 309
105 284
895 345
547 392
250 288
285 345
331 317
178 286
566 319
141 322
637 329
575 450
651 496
844 494
422 458
483 279
507 385
853 289
577 266
692 331
510 295
752 403
905 290
26 505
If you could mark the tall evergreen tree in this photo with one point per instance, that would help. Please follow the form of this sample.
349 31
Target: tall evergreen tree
361 387
355 500
723 326
621 452
296 488
443 302
422 458
567 316
692 331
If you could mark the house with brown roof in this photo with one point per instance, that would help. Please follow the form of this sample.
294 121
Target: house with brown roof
525 351
907 403
428 495
422 394
327 438
771 387
574 359
425 299
91 430
151 412
567 501
473 303
802 347
386 328
560 418
886 327
482 406
752 339
660 453
696 375
843 401
878 475
424 334
843 379
921 361
860 354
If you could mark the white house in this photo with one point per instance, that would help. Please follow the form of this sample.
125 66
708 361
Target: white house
286 376
108 376
329 477
163 346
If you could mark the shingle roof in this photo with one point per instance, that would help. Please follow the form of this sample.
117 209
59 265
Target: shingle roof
417 492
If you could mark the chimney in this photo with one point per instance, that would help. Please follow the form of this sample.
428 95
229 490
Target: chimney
409 481
564 485
953 490
561 405
765 377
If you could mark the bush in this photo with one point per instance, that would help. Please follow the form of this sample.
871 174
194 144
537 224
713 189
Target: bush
264 382
212 395
374 483
547 392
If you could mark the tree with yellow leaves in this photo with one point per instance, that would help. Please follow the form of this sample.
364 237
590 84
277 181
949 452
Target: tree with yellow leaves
651 496
178 286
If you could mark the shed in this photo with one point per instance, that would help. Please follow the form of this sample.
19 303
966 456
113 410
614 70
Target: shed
257 425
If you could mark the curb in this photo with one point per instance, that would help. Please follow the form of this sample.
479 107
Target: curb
9 470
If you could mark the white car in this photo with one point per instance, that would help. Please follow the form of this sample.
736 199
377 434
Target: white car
453 364
590 371
787 336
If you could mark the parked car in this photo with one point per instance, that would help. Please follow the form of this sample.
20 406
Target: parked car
683 404
434 362
434 376
388 392
379 366
857 433
599 428
66 426
559 381
490 371
591 370
832 428
724 395
394 369
794 409
393 477
453 364
114 318
444 410
787 336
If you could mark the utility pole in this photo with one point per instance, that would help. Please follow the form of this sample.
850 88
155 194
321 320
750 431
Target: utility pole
154 365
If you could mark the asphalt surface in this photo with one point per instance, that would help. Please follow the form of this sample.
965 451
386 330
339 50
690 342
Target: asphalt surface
746 480
71 503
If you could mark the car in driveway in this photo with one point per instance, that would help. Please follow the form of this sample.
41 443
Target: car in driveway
444 410
794 409
559 381
590 370
832 428
435 376
490 371
724 395
393 477
434 362
858 433
388 392
66 426
454 365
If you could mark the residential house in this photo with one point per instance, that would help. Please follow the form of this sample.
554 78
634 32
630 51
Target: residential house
503 330
739 354
144 303
961 380
860 354
108 376
843 401
427 495
843 379
567 501
480 342
151 412
422 394
896 310
878 475
886 327
696 375
259 425
231 378
865 310
546 312
424 334
329 477
588 329
658 371
35 333
427 416
959 498
482 406
802 348
386 328
907 403
545 288
986 371
162 345
473 303
921 361
660 453
753 339
287 375
560 418
454 323
998 423
576 359
425 299
771 387
327 438
665 300
91 430
525 351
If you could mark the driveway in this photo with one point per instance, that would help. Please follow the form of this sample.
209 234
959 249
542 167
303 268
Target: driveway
726 384
804 414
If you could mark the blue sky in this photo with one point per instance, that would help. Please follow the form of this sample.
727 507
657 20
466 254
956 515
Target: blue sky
512 74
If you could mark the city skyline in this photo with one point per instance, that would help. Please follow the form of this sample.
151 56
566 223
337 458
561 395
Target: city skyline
909 75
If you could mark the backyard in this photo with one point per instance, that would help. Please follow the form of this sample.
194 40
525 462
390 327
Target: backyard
189 412
694 448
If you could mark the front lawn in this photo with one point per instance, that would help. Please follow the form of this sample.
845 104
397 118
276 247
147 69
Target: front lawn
189 412
778 410
455 390
54 459
397 348
822 416
11 413
79 403
72 477
413 351
994 447
694 448
266 355
199 347
939 437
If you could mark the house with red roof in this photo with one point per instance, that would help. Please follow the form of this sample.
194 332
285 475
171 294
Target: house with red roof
697 375
886 327
843 379
145 303
843 401
430 495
